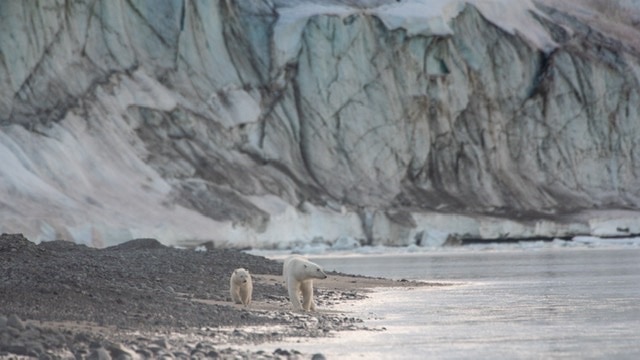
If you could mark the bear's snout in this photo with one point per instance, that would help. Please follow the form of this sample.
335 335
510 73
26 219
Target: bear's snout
322 274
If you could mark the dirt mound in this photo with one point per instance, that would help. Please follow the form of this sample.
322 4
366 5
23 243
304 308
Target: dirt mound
15 243
62 245
138 283
138 244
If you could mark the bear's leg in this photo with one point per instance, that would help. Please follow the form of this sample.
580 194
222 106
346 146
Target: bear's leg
307 295
235 295
245 294
294 294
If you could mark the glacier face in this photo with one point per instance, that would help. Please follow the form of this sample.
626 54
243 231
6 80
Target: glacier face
266 123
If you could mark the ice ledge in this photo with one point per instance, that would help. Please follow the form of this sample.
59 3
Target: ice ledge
417 17
311 229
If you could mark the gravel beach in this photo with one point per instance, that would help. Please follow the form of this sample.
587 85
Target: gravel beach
141 299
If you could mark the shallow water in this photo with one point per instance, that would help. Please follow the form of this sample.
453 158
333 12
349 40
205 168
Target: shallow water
542 303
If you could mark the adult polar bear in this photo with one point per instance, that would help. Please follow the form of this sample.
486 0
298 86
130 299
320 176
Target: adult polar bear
298 274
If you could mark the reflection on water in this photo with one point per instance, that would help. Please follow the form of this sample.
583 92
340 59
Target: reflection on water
551 303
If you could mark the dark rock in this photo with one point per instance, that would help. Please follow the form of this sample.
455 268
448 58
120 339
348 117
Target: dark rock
197 354
15 322
16 242
118 352
453 240
99 354
18 349
144 353
82 337
3 322
34 348
162 343
62 245
138 244
281 352
181 355
13 331
209 245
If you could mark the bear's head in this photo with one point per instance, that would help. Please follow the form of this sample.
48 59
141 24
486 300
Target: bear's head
240 276
314 271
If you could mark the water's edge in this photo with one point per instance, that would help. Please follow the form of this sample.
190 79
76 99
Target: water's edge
542 303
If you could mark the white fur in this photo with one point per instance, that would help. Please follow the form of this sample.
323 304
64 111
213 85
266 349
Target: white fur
241 286
298 274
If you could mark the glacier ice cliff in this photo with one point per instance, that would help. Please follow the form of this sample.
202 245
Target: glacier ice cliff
268 123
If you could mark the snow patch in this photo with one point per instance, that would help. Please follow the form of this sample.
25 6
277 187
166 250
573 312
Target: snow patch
516 17
425 17
417 17
200 248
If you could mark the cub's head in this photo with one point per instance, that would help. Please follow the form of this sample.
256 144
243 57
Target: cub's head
314 270
240 276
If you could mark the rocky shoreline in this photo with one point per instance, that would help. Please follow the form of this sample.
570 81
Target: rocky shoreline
142 299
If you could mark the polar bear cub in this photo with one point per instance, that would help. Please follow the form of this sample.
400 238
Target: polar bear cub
298 274
241 286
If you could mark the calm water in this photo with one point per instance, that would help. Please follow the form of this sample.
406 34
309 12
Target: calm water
516 304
